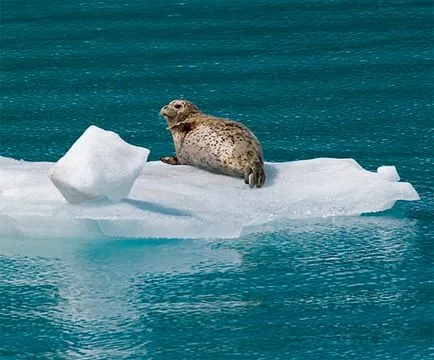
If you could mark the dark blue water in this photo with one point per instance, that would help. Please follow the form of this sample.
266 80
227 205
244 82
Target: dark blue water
312 79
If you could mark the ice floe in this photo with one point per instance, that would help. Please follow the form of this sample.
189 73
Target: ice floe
185 202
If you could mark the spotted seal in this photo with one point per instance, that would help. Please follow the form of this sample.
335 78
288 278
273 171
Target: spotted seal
211 143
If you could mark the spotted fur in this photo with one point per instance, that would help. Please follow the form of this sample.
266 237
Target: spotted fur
215 144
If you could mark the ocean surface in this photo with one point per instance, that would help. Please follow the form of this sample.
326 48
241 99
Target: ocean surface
346 79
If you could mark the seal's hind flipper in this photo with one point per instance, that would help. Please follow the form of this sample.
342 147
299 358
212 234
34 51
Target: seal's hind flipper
252 180
247 172
171 160
261 179
254 174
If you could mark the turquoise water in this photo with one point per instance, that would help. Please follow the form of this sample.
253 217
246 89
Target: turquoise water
312 79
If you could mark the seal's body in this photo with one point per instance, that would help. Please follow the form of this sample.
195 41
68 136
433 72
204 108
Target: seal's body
219 145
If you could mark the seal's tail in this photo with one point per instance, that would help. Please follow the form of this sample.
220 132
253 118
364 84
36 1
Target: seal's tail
254 174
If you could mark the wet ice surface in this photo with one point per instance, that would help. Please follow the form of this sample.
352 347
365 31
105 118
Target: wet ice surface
185 202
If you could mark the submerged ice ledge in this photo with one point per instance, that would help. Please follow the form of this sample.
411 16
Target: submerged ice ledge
185 202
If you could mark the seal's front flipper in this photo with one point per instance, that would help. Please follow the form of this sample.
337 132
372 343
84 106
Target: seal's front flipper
171 160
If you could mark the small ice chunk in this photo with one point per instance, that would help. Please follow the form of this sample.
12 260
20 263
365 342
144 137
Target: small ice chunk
98 164
388 173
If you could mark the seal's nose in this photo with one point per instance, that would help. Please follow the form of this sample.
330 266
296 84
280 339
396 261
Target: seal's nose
163 109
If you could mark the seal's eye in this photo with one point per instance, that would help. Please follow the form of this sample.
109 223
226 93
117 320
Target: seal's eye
177 106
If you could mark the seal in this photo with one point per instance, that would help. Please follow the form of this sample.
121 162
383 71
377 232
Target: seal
211 143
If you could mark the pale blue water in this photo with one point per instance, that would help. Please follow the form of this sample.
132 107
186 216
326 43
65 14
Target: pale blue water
312 79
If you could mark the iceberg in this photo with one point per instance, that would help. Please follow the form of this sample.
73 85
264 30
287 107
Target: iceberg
185 202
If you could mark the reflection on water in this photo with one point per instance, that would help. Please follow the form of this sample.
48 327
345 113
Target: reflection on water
337 286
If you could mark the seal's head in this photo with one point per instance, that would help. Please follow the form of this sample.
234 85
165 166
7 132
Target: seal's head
178 111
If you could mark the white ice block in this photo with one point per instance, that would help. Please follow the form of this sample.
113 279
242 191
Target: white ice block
388 172
98 164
